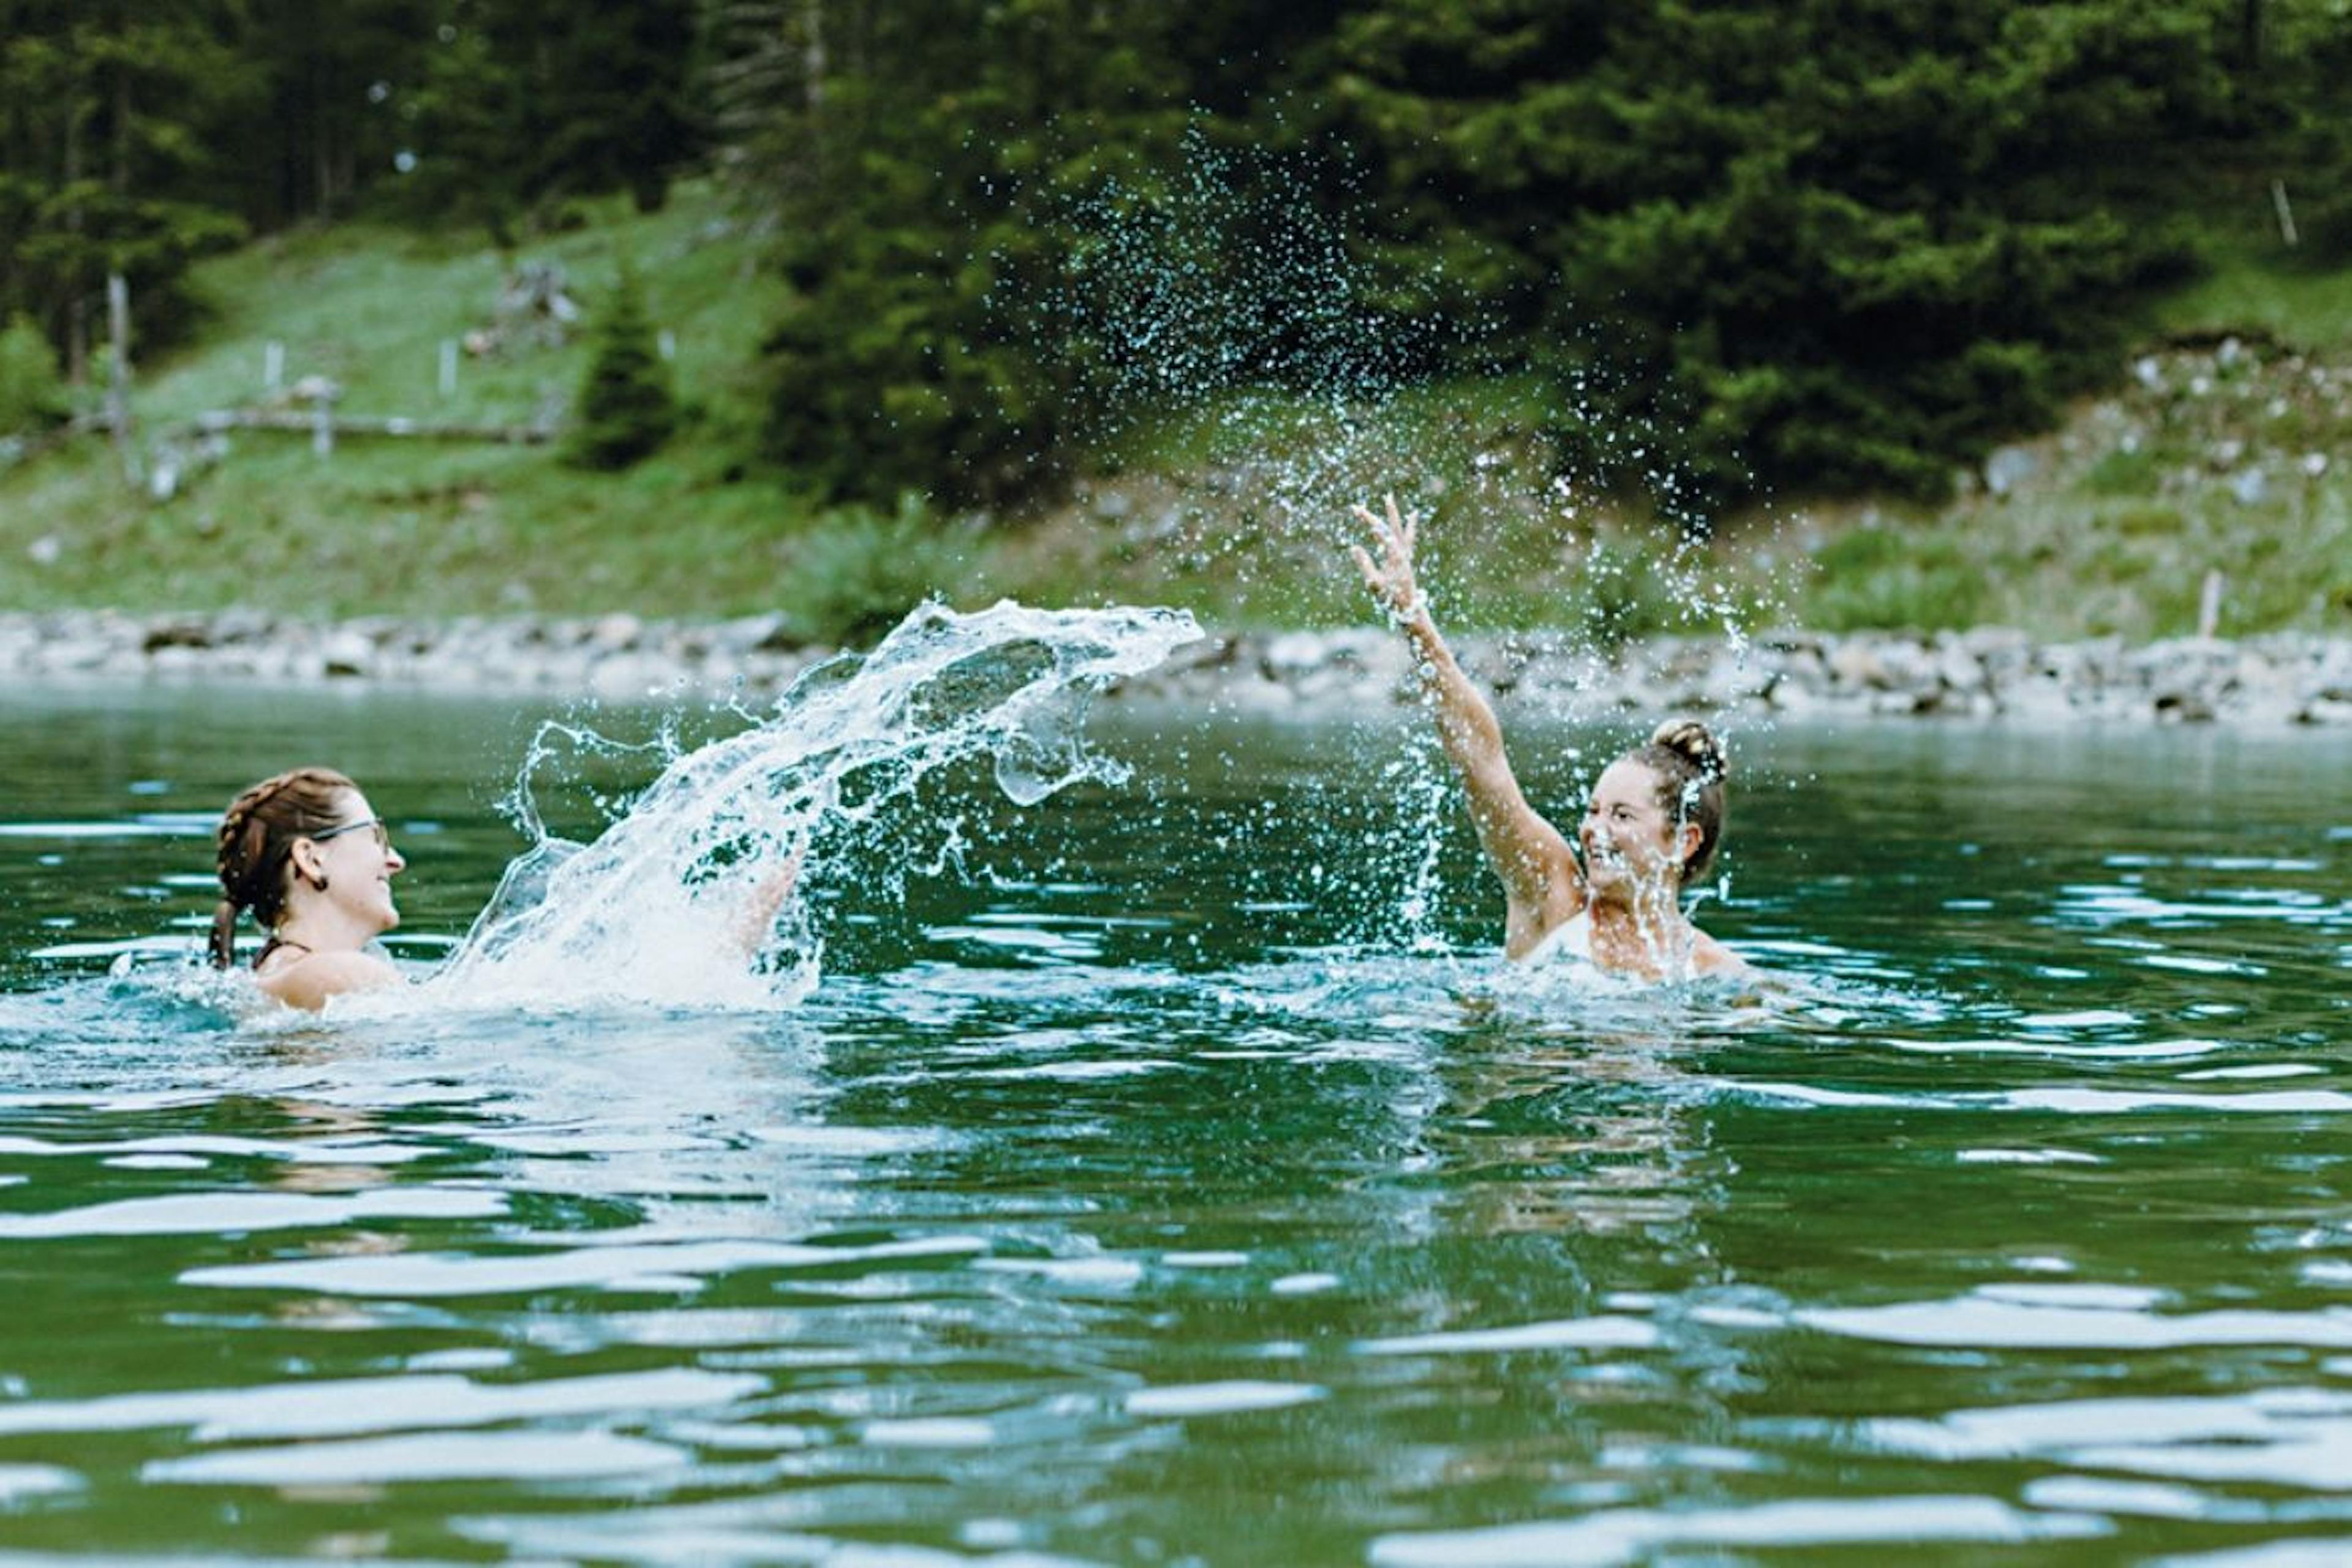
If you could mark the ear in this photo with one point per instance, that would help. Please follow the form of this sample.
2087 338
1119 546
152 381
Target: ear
1687 838
303 856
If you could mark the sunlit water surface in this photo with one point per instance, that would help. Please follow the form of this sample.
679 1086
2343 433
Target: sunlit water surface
1167 1173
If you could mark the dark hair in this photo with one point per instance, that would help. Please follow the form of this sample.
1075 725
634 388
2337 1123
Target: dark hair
1688 763
257 835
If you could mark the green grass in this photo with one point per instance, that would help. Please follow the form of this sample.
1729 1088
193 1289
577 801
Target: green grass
2256 283
1235 505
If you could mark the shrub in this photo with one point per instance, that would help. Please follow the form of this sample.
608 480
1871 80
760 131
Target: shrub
2122 474
1883 578
857 572
32 394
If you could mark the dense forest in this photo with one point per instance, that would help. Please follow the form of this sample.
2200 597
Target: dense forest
1800 244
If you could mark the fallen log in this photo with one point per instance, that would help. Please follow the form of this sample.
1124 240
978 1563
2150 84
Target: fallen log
306 422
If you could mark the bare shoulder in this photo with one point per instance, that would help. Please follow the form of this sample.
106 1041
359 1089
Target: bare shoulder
310 980
1710 956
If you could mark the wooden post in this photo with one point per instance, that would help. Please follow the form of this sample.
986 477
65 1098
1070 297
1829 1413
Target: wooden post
2208 607
273 367
118 379
2285 213
322 426
449 367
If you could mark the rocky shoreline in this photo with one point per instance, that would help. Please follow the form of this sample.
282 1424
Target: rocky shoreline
2277 680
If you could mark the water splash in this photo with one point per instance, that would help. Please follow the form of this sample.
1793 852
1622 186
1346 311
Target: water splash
1272 356
682 898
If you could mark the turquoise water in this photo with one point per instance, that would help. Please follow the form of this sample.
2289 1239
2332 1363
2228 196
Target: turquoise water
1166 1172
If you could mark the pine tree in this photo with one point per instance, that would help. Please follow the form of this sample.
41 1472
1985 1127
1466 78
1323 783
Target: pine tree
111 106
926 226
1824 245
525 102
628 410
339 76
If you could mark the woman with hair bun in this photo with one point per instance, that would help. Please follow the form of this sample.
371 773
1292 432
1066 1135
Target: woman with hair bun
310 859
1650 829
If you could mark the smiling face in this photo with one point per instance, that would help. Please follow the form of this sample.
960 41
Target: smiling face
1629 839
359 863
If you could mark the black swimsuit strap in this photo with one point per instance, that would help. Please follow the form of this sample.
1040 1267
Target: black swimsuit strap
273 944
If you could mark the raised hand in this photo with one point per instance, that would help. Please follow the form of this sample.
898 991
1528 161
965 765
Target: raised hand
1390 576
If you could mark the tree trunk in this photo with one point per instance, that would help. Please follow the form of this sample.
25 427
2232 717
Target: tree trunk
77 297
812 54
118 294
118 380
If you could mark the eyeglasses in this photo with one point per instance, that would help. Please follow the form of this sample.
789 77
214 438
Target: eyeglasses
383 834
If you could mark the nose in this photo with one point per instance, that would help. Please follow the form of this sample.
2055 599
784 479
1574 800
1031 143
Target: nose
394 861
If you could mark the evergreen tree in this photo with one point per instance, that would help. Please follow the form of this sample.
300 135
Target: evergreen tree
627 409
337 75
112 107
925 232
463 157
1826 245
524 102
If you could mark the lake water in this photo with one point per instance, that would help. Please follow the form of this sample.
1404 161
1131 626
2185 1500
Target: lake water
1168 1174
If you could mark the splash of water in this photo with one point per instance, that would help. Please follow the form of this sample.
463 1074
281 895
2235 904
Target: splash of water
1286 369
683 899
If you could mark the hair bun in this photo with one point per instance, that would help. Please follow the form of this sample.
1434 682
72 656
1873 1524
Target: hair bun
1692 740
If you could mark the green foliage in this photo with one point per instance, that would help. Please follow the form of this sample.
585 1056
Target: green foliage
1793 246
336 83
627 409
856 571
2125 473
1821 247
105 163
520 105
1885 578
923 243
32 394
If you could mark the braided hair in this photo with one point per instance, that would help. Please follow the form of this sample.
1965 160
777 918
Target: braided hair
1688 763
257 835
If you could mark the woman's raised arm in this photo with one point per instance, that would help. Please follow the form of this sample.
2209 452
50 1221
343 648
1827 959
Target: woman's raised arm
1537 869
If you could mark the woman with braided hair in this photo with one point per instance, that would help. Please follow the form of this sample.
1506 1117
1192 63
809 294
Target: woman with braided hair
307 854
310 859
1649 831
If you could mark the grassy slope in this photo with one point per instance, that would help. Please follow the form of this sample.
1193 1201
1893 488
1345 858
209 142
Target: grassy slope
1233 510
410 525
2211 456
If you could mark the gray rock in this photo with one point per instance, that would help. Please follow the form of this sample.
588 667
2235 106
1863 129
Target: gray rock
2007 468
1858 665
616 632
346 655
